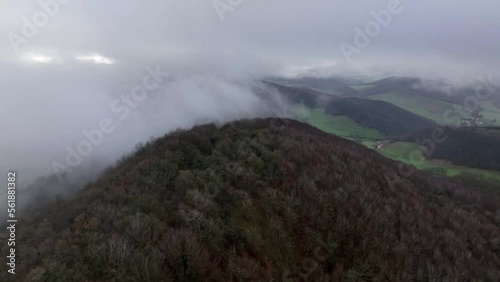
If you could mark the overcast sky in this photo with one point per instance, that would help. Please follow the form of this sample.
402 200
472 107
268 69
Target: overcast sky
63 77
259 35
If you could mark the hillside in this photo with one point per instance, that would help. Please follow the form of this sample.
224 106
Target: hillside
261 200
336 85
372 114
383 116
298 95
418 87
391 84
471 147
434 102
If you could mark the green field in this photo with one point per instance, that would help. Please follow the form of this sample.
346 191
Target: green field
491 118
411 153
430 108
435 109
490 107
406 152
371 144
338 125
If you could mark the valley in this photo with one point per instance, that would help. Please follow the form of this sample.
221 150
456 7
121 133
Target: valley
354 118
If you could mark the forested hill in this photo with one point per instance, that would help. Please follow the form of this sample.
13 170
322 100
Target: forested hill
260 200
470 147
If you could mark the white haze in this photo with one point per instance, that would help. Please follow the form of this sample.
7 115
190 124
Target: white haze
56 106
64 79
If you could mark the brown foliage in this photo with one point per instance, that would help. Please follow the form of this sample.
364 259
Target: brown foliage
251 201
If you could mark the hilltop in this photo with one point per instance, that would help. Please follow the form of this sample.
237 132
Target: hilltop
261 200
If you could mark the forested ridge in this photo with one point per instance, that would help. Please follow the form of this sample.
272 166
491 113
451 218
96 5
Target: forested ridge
470 147
261 200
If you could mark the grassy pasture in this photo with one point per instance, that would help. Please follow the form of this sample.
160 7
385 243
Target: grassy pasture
338 125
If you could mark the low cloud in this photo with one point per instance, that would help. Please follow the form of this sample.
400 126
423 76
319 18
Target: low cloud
72 59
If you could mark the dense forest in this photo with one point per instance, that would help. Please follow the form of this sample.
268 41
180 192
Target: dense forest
470 147
380 115
261 200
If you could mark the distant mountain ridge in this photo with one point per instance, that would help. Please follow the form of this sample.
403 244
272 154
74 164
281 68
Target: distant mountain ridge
413 85
339 85
379 115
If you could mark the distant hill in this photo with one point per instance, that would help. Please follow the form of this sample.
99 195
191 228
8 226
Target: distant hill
429 88
470 147
391 84
415 86
339 85
434 89
261 200
382 116
435 99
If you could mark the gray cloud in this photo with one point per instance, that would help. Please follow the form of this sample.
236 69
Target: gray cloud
45 106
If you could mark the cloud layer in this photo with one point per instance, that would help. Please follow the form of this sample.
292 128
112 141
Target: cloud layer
63 63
